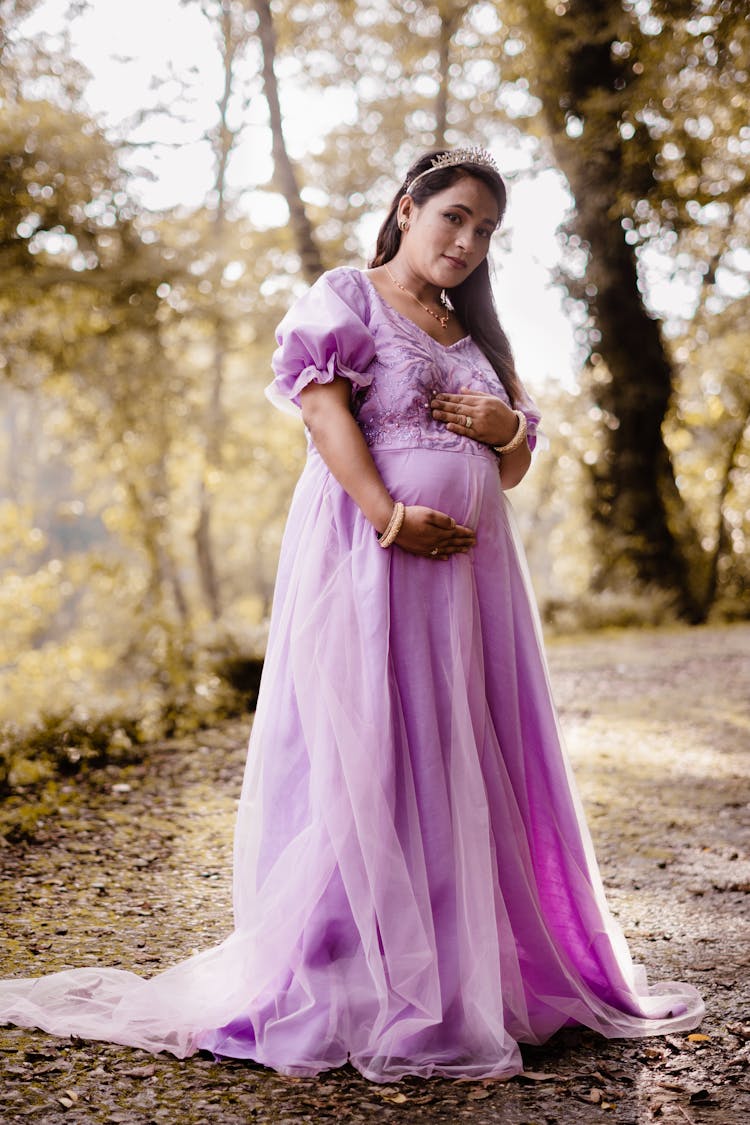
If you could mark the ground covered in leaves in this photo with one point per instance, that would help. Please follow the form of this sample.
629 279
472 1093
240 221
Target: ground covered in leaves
131 866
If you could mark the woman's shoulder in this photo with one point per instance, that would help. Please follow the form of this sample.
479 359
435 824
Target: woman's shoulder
344 286
336 306
339 294
343 274
344 280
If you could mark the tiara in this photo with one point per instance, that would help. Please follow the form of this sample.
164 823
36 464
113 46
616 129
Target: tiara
472 155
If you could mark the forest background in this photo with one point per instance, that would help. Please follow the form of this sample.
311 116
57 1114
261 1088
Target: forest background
144 479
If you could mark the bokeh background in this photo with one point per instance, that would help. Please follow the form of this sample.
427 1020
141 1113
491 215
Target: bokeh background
173 174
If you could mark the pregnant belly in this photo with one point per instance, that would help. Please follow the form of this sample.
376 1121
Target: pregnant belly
464 486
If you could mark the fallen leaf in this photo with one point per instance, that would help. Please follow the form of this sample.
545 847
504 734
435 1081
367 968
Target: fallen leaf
146 1071
611 1074
537 1076
696 1037
478 1095
49 1068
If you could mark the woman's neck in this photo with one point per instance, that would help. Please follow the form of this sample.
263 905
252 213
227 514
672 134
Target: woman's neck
405 274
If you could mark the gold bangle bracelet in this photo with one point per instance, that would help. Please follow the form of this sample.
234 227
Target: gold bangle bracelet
393 526
518 437
391 519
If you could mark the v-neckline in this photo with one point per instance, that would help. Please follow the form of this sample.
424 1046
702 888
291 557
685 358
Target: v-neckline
391 309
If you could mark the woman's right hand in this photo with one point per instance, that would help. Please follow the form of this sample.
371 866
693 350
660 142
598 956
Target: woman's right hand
432 534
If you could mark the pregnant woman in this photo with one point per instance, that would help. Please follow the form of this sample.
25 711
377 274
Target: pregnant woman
415 889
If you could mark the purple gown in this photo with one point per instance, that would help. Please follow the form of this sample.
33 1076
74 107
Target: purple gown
415 888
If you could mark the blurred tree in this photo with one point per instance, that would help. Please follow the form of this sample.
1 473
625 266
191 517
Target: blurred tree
285 174
624 105
81 322
224 255
232 35
708 433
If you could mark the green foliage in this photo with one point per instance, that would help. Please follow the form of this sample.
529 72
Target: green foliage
71 739
61 744
109 345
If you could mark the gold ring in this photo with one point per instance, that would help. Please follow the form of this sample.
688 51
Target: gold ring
434 551
468 423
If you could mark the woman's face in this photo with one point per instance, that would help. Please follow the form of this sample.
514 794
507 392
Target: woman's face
449 234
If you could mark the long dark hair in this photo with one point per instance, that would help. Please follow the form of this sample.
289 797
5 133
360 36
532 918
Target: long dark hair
472 299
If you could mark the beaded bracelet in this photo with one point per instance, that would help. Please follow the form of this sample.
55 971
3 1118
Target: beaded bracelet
393 526
518 436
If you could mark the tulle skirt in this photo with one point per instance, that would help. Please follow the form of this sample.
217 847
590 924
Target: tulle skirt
414 885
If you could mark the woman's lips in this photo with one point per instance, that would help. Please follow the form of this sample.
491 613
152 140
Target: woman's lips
457 263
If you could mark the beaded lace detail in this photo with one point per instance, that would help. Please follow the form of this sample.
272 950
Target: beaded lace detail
408 370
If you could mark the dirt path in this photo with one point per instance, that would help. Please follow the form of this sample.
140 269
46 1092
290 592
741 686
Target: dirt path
135 870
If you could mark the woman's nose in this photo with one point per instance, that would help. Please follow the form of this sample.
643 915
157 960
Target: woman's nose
465 240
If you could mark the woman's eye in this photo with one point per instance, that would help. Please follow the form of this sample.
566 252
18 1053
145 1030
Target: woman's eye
451 215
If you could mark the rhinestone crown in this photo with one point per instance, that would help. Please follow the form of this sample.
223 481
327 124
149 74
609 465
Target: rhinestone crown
472 155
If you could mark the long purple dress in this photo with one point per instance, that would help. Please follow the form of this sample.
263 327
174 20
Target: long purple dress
415 888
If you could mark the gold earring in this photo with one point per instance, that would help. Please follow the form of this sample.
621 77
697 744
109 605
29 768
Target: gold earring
403 225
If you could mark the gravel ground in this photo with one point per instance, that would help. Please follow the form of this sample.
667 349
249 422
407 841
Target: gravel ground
131 866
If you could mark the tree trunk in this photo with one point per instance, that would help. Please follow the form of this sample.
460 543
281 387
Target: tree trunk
204 553
634 474
444 59
284 171
214 414
636 499
451 14
723 546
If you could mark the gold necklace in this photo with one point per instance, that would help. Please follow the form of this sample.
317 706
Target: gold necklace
442 320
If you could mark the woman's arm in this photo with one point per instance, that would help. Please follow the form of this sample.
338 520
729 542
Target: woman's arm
337 437
514 466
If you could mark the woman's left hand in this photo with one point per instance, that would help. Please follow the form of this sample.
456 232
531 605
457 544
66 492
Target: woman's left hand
483 417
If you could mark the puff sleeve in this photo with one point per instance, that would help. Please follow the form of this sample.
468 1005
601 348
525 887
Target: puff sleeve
533 417
323 335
